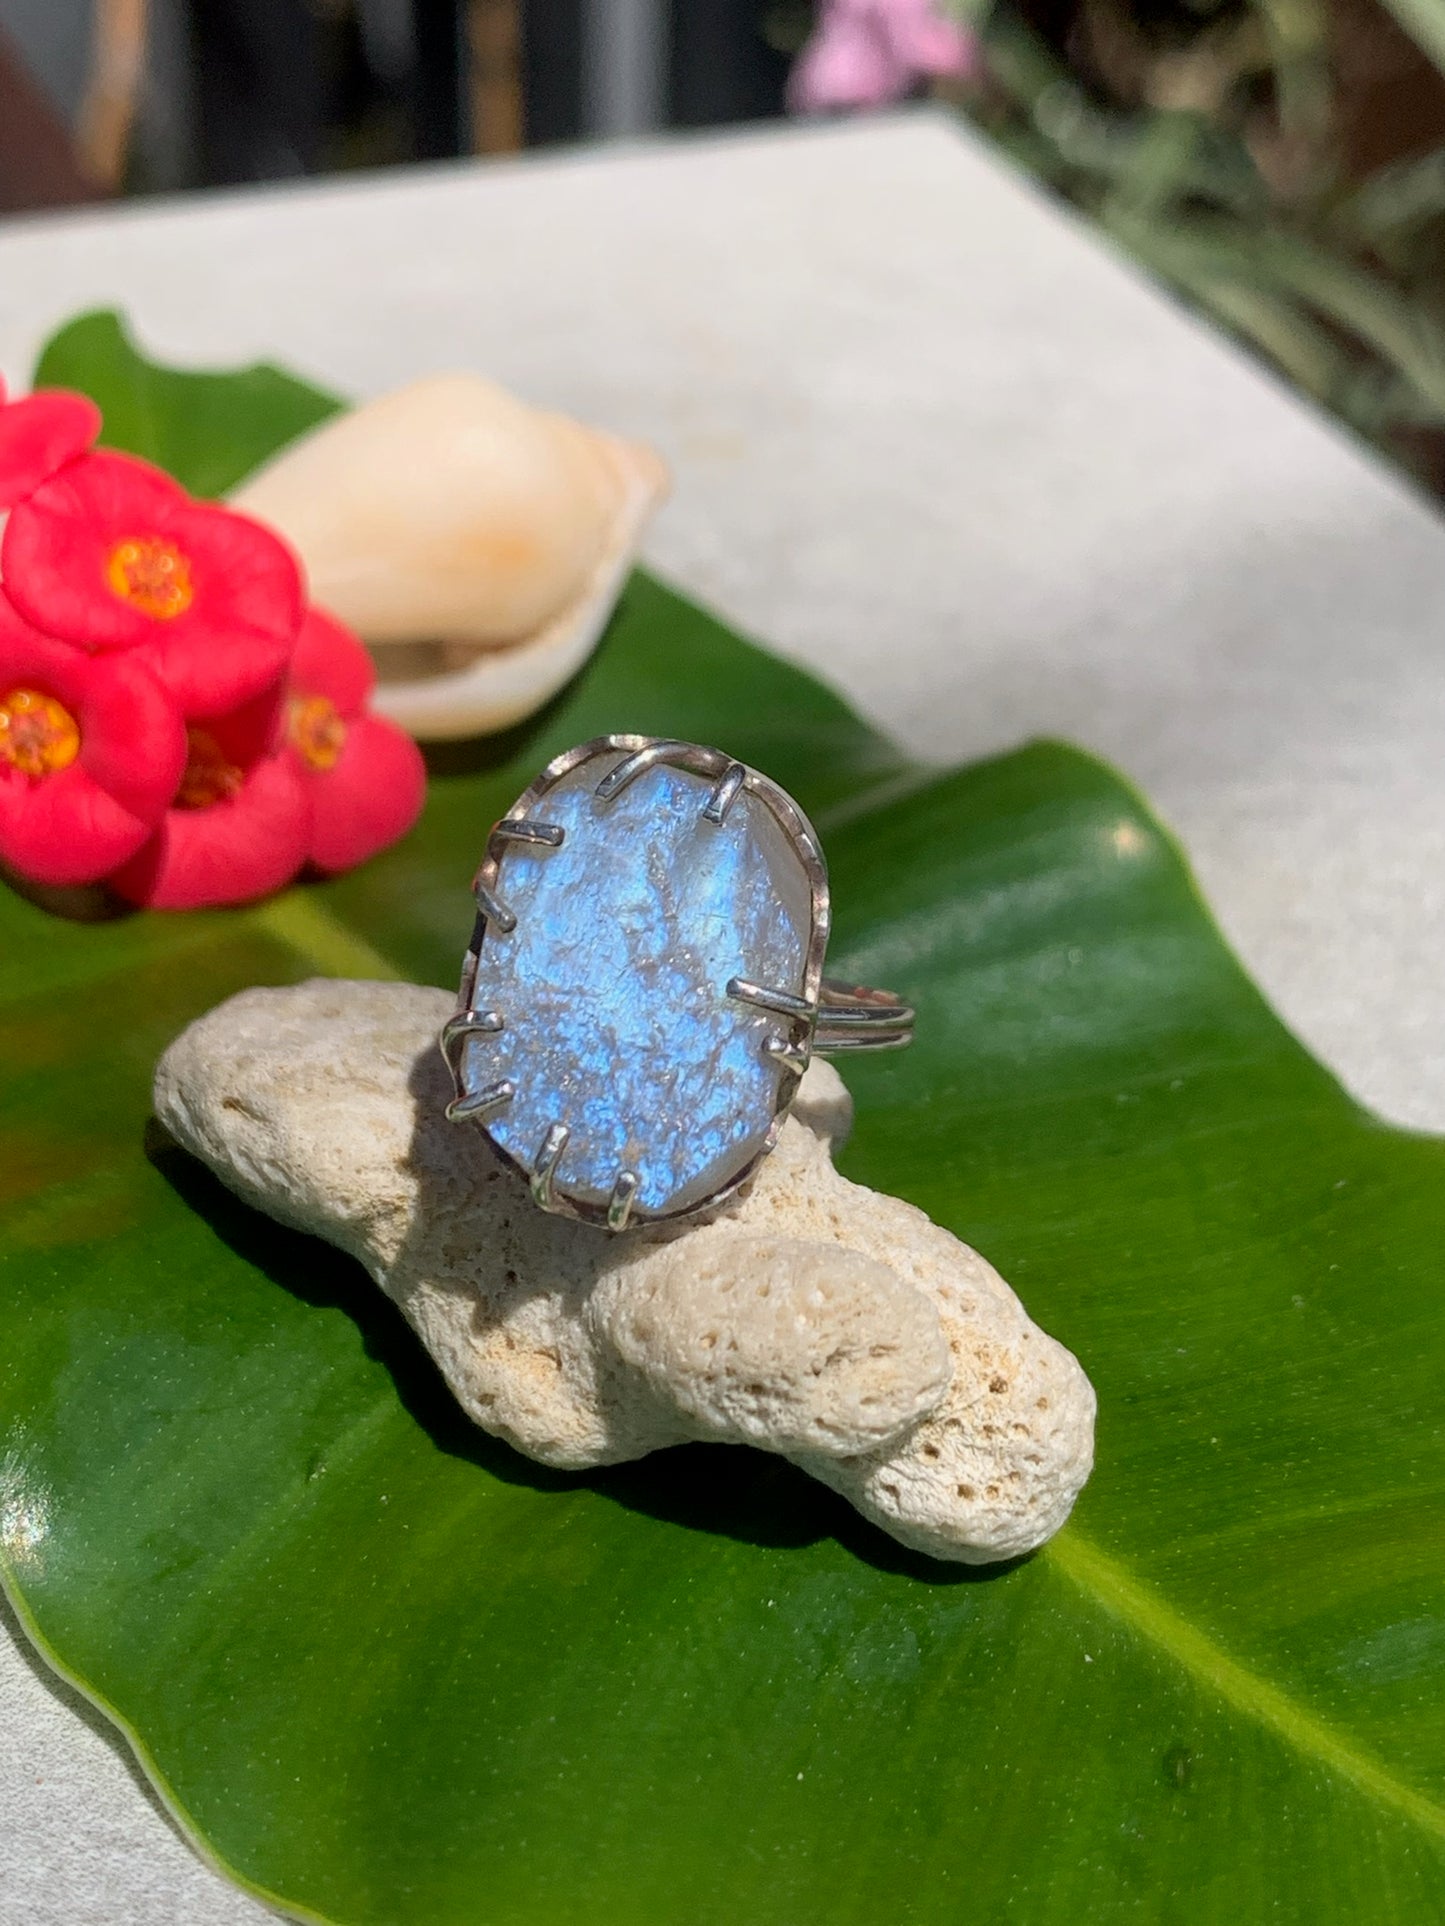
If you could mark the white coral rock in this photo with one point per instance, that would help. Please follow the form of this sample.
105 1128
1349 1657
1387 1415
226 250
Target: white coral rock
812 1317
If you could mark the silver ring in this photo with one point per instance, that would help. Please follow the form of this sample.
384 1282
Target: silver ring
645 985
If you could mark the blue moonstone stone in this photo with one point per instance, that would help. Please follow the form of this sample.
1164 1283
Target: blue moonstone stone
613 986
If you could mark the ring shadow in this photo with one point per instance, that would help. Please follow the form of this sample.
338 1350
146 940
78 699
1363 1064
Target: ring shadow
736 1492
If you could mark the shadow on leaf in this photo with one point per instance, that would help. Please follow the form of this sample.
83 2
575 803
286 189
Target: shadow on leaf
729 1491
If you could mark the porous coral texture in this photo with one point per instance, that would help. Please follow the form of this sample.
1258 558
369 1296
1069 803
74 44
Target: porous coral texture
809 1316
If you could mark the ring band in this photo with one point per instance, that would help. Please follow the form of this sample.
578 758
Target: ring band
844 1019
644 985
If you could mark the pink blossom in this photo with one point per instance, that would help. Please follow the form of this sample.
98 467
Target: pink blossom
866 53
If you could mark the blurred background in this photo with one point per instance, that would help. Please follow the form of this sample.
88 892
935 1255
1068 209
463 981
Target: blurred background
1279 164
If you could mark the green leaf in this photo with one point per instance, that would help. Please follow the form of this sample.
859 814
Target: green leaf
1225 265
1403 195
385 1670
209 430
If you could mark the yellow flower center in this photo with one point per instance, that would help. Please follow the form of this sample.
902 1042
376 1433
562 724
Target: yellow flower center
317 730
210 775
37 735
152 575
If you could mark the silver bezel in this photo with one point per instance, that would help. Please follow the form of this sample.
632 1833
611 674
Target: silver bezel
795 1029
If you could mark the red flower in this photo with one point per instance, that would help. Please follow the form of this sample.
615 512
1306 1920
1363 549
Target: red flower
91 750
237 828
366 777
112 554
150 733
38 434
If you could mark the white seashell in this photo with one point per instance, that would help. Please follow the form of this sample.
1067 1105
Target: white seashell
477 545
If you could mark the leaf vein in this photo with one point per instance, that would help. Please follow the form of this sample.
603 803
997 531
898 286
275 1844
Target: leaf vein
1127 1598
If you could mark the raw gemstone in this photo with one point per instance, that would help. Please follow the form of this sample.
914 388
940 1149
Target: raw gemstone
613 986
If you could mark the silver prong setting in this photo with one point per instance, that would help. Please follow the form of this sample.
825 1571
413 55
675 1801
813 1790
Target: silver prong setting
523 829
789 1056
477 1104
457 1031
760 997
493 910
544 1170
704 762
622 774
624 1195
782 1016
725 794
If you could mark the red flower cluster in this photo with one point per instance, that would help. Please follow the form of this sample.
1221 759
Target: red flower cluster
174 720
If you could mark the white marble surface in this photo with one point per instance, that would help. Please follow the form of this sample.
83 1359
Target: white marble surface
932 440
